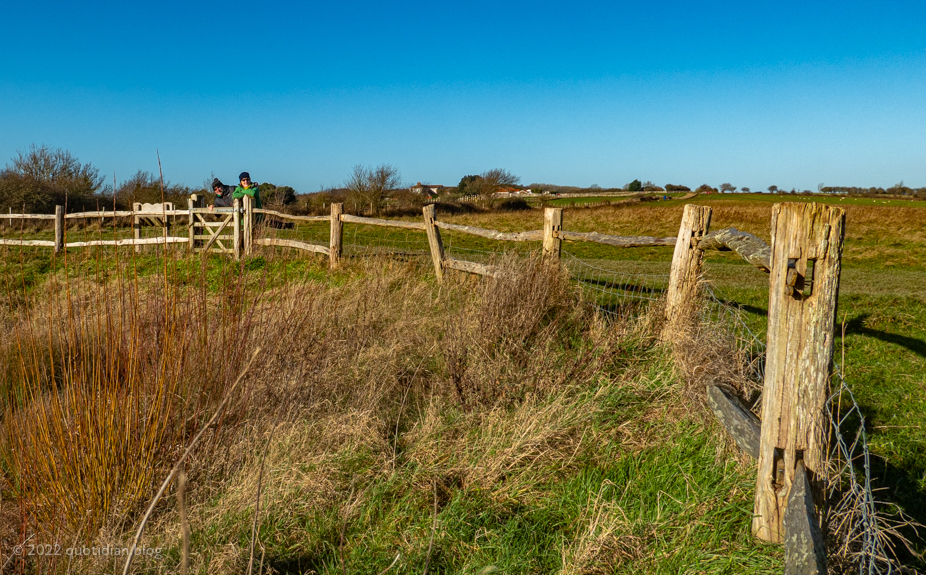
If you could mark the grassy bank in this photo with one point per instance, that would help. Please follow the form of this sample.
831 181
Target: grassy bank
465 427
469 426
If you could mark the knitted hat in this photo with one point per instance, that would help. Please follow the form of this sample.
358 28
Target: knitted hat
216 183
244 175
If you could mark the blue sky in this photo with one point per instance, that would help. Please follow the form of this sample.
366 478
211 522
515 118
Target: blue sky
788 93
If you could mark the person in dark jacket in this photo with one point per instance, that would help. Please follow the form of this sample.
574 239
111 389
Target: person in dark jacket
223 194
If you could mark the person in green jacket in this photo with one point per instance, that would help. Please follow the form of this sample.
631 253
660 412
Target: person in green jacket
246 188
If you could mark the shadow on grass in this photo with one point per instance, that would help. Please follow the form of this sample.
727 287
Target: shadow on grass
857 326
629 287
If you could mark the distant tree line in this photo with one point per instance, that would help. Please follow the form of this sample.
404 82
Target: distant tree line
40 178
898 189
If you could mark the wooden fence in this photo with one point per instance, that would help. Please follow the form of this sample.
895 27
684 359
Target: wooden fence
803 263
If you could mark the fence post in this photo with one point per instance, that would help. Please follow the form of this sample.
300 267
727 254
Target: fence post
803 285
136 225
248 225
334 240
685 275
59 229
434 240
552 223
236 217
191 224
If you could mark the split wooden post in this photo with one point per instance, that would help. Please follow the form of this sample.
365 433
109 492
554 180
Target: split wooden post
552 224
334 240
191 224
434 240
685 275
59 229
248 225
803 285
236 217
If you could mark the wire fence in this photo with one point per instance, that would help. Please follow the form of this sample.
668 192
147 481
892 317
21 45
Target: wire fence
615 292
853 512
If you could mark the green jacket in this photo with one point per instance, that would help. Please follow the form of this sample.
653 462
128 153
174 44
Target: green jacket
253 191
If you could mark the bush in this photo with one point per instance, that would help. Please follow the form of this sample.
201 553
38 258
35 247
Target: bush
43 177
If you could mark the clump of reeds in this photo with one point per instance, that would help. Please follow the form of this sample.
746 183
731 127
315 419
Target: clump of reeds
103 380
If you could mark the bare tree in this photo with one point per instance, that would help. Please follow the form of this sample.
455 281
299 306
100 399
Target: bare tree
41 177
368 186
493 181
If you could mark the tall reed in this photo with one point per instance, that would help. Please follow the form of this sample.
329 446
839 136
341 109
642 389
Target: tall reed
105 374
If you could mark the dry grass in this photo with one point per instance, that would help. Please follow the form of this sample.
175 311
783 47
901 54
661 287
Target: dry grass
489 388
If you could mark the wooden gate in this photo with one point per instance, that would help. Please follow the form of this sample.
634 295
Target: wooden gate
155 215
214 229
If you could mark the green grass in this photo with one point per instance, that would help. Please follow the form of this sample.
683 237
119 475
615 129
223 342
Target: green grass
661 509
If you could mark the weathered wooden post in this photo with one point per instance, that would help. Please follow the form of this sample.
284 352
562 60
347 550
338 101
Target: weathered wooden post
685 275
59 229
803 285
552 223
334 240
236 218
248 225
136 225
434 240
191 224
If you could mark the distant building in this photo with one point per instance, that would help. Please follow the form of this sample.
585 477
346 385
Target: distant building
429 189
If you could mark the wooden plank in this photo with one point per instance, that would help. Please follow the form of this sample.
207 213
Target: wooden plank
292 244
248 225
334 239
28 216
685 274
128 242
805 258
32 243
237 229
208 237
119 214
434 240
378 222
552 225
618 241
805 547
212 211
292 217
748 246
736 418
471 267
191 224
531 236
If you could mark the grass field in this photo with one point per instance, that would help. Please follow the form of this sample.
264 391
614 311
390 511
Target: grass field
467 426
